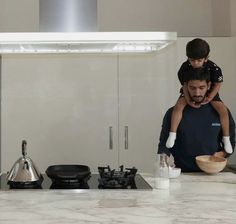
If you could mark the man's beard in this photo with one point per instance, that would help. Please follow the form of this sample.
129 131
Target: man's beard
197 99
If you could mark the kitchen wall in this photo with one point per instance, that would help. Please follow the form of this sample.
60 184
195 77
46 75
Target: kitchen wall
221 9
187 17
19 16
233 17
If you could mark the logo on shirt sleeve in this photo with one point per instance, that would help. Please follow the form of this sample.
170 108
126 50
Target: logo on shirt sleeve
220 78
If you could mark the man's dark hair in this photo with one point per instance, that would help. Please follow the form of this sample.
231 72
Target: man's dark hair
197 48
197 74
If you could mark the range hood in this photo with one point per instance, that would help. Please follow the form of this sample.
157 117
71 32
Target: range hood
85 42
70 26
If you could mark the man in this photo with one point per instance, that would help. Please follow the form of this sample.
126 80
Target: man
199 132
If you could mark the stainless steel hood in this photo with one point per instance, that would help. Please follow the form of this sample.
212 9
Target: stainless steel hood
68 16
70 26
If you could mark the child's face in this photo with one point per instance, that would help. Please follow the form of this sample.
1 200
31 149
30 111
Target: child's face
197 63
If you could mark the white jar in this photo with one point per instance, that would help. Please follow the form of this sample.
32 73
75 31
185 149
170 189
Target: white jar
161 172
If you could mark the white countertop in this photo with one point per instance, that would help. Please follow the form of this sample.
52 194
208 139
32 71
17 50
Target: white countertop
192 198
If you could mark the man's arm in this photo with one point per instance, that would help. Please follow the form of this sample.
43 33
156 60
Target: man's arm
165 133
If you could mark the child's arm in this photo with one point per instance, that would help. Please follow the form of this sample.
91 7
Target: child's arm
215 89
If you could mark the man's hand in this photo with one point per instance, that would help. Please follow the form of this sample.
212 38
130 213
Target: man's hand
220 154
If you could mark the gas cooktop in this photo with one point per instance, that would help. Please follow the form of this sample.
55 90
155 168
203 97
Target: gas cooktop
92 183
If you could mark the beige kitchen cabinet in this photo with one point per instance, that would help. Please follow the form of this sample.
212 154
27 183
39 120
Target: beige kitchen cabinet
63 105
138 103
93 109
142 99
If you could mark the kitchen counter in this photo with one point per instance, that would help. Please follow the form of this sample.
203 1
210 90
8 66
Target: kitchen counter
192 198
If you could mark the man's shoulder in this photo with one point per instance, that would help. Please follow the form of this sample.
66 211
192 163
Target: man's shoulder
207 108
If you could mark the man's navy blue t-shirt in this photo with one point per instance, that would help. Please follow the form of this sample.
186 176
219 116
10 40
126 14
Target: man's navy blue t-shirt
199 133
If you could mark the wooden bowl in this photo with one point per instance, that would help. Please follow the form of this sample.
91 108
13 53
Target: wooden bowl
211 164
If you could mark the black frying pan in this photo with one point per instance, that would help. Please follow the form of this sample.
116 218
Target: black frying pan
68 172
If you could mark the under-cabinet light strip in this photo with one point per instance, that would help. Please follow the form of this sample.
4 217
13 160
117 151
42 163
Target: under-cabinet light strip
83 42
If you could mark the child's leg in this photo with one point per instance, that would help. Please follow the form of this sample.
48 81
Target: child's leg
224 120
175 120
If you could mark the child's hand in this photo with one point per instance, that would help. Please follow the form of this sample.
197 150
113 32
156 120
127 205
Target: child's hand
206 100
194 104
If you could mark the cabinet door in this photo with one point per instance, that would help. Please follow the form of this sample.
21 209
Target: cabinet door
138 111
63 105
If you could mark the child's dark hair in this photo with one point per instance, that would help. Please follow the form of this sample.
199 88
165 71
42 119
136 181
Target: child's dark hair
197 48
197 74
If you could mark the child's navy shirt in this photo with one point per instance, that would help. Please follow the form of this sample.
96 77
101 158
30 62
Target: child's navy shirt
215 72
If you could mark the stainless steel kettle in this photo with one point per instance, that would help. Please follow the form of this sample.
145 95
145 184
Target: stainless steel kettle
24 170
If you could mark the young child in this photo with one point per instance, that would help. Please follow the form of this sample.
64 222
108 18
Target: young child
197 52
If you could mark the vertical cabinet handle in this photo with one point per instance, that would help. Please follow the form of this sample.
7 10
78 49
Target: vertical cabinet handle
126 137
110 138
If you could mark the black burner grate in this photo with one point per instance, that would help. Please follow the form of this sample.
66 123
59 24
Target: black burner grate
121 179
